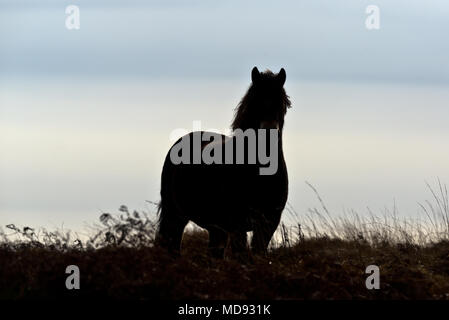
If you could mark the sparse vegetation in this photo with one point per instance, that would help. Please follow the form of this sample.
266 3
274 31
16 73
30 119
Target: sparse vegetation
322 256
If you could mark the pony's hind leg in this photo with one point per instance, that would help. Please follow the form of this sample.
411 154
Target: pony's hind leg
217 242
170 230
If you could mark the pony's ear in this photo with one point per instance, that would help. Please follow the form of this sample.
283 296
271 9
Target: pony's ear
255 75
282 76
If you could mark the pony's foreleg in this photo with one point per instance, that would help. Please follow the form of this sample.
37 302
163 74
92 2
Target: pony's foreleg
169 233
262 234
239 243
217 242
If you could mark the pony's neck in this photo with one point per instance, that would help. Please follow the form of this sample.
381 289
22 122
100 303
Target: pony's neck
280 149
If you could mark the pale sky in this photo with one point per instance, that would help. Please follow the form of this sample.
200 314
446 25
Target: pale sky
85 115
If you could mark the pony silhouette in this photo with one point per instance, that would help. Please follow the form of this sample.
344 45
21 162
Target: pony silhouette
229 198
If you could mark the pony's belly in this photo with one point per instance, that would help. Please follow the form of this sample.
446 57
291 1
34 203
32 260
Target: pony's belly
212 210
226 223
212 197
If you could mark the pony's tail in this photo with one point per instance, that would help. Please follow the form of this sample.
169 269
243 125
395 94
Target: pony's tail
170 222
170 225
162 205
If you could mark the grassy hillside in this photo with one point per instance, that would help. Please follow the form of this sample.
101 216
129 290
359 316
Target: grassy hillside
315 268
321 257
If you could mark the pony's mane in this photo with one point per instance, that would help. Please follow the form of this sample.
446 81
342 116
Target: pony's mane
251 97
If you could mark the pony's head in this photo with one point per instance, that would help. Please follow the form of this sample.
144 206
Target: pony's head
265 103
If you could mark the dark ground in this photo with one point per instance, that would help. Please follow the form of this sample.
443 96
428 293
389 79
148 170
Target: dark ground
309 269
